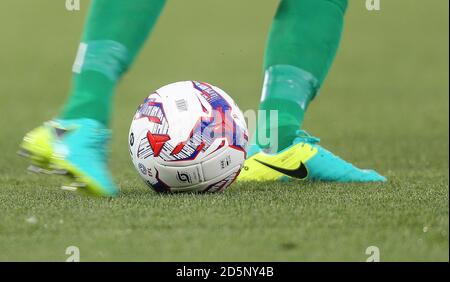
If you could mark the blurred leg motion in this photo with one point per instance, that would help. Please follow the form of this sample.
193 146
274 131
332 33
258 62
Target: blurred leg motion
75 144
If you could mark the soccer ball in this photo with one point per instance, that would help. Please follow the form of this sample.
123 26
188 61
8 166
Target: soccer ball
188 137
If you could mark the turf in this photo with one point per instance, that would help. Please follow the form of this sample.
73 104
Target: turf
384 106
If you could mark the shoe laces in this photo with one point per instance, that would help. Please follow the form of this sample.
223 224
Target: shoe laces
305 137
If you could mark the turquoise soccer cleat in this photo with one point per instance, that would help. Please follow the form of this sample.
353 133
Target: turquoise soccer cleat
306 160
77 148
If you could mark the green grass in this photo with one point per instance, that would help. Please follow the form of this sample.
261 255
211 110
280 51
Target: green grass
384 106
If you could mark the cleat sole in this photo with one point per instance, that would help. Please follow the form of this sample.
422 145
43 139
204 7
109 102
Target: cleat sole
34 169
40 170
78 184
69 188
24 153
89 186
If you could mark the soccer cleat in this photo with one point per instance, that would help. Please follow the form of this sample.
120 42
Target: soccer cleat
306 160
76 148
36 146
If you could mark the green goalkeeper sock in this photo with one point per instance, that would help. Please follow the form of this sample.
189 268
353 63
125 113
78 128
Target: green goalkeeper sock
302 44
114 33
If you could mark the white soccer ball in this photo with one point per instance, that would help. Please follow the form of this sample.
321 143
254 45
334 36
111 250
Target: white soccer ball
188 136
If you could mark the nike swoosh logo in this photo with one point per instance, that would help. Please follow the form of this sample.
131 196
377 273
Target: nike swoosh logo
300 172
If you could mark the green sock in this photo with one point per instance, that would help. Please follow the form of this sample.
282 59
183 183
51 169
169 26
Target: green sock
114 33
302 44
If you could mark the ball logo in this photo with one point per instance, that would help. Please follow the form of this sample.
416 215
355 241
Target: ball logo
225 162
143 169
183 177
131 139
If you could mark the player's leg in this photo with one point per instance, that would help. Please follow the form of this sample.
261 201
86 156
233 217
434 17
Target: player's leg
114 33
76 142
302 44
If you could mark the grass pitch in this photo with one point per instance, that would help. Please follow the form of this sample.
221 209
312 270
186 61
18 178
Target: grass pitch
383 106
